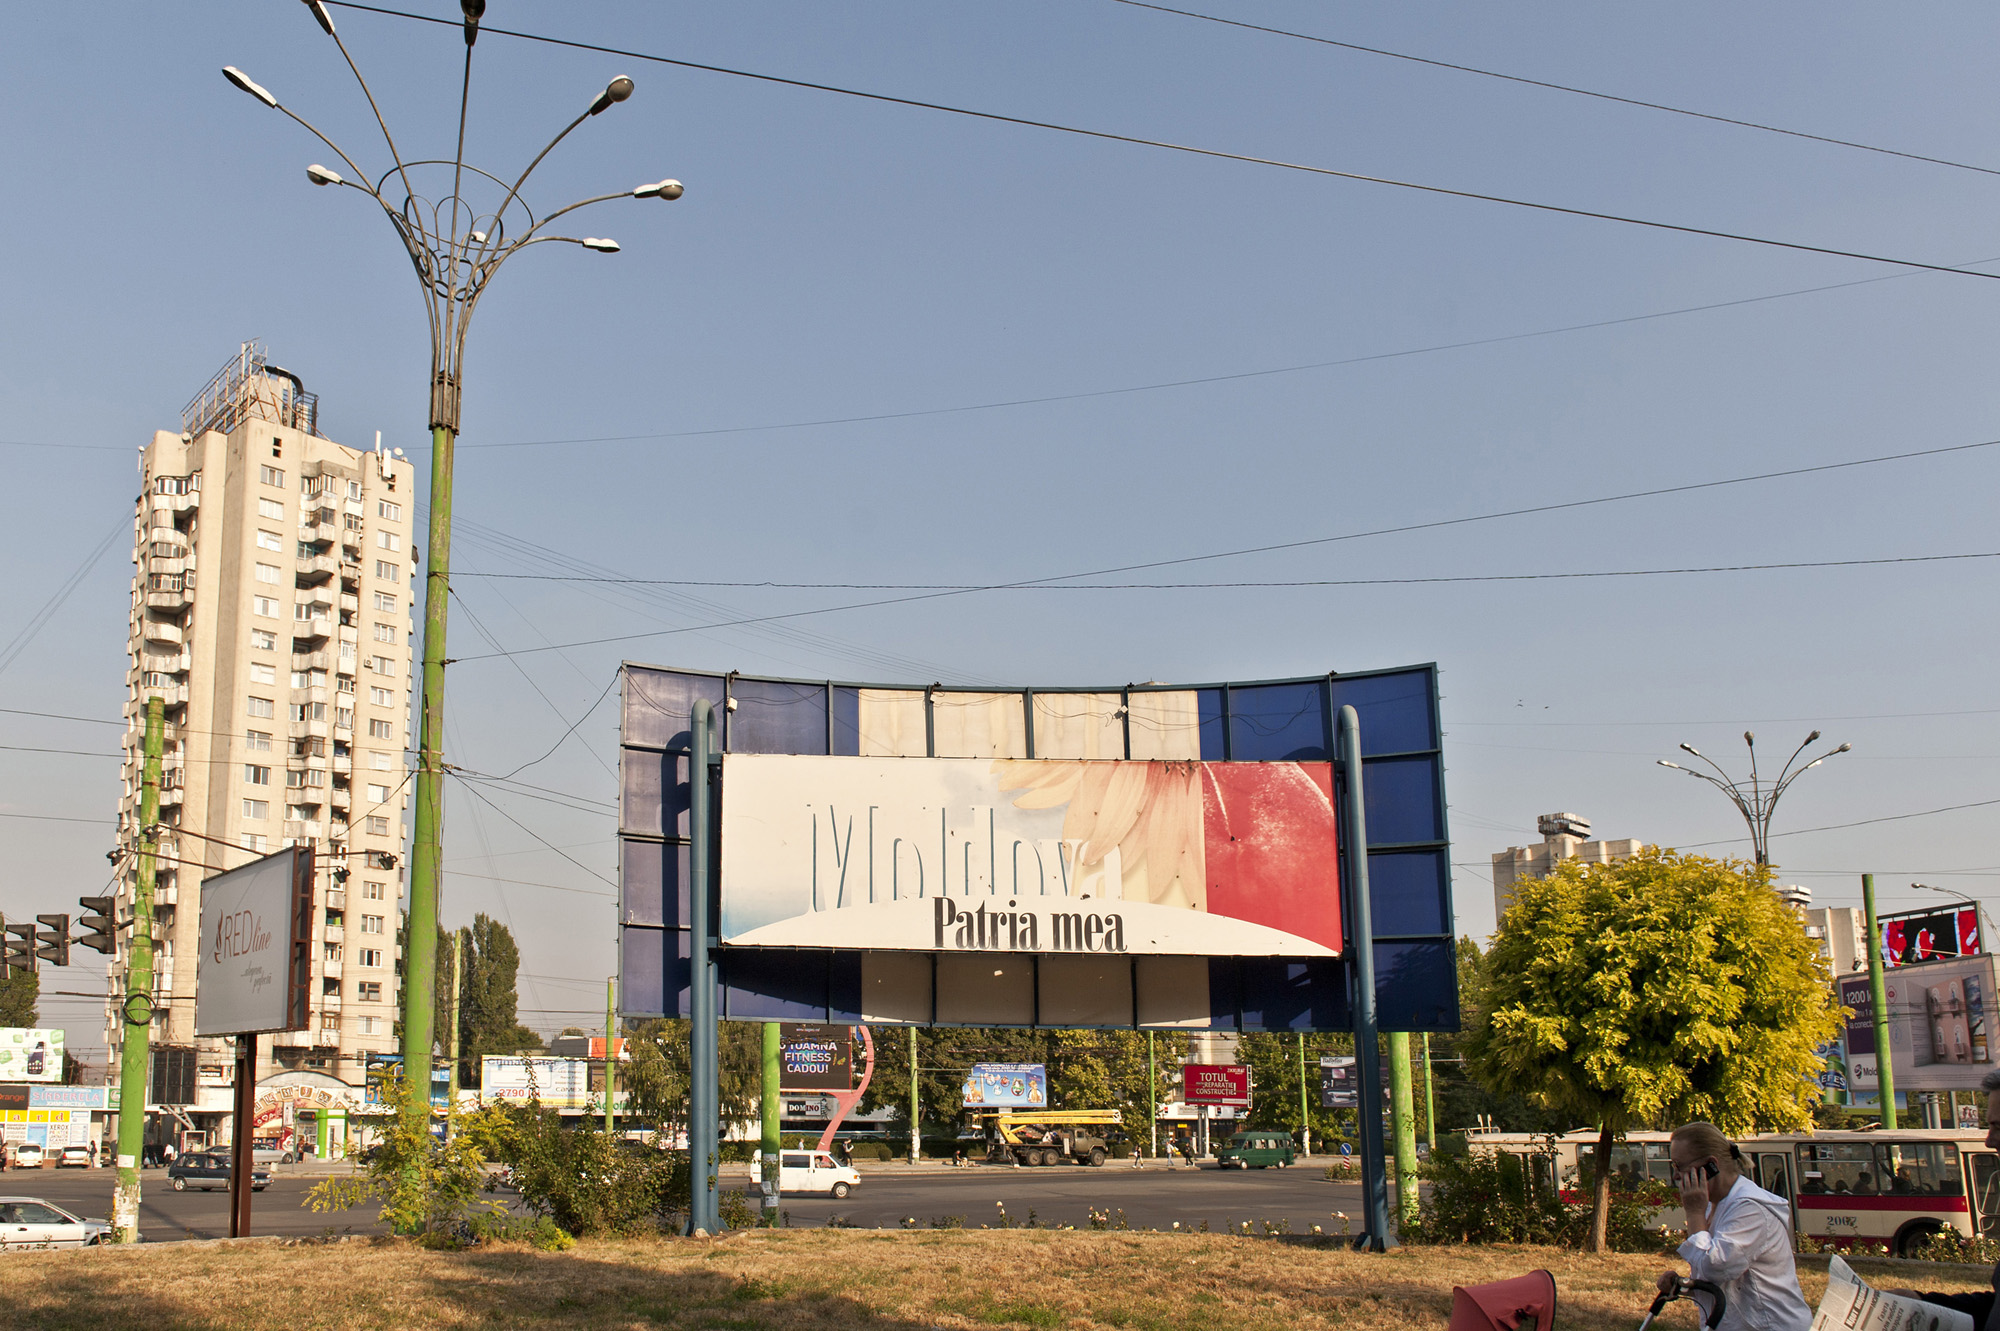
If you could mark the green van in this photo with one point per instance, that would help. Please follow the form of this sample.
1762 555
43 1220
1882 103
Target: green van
1257 1147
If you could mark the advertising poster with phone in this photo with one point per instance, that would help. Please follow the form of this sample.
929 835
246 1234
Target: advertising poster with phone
30 1054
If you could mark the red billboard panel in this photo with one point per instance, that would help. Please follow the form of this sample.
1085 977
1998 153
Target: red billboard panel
1931 935
1216 1084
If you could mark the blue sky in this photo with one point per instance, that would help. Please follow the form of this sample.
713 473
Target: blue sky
836 258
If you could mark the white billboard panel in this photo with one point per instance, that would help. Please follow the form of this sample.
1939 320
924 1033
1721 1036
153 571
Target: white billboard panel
1054 856
254 967
30 1054
558 1083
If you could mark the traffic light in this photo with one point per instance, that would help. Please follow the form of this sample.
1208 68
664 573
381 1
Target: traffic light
17 949
98 926
52 941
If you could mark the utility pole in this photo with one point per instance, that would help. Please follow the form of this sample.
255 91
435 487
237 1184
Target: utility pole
1430 1099
611 1052
452 1024
915 1131
1305 1118
773 1116
1152 1099
1878 998
1402 1112
137 1013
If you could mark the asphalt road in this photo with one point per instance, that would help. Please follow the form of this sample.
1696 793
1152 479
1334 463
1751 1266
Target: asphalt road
165 1214
1150 1198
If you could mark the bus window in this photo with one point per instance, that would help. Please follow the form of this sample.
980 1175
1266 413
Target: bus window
1986 1192
1632 1163
1839 1167
1921 1169
1771 1174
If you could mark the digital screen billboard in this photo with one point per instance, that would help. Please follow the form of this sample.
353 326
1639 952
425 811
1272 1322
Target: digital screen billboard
1913 937
1010 749
1007 1086
815 1057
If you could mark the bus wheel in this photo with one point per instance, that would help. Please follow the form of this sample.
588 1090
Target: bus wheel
1915 1235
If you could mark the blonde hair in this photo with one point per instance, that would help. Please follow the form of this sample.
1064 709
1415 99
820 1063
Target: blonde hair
1708 1140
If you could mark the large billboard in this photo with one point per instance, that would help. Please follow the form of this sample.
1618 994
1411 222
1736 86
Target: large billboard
1215 1084
255 965
1940 1033
558 1083
815 1057
1030 855
1913 937
30 1054
922 855
1007 1086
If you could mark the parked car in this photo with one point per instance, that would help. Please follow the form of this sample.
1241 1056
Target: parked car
76 1157
26 1155
809 1171
30 1222
210 1169
1256 1147
270 1153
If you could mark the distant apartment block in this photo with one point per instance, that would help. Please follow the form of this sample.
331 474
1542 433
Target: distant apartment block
1564 837
273 578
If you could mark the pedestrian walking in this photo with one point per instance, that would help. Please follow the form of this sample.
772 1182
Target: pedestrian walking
1739 1235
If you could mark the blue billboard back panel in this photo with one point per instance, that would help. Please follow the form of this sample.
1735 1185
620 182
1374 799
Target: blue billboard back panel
1265 721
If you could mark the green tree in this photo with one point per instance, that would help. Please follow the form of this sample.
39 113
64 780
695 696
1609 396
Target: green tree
488 1005
1666 987
1273 1060
20 993
657 1077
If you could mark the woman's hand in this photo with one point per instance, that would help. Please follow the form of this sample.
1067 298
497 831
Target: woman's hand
1668 1279
1694 1200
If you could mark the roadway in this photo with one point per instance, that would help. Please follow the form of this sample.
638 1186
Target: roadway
890 1193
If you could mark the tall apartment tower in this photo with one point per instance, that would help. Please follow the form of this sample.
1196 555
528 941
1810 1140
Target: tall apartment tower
271 594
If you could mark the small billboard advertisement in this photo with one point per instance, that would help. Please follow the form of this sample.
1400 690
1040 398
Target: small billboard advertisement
30 1054
1117 857
254 967
1007 1086
1216 1084
558 1083
814 1057
383 1074
1914 937
1340 1085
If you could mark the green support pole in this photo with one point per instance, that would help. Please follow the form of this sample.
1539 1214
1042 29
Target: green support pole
611 1053
136 1055
1152 1100
773 1117
420 933
916 1131
1402 1115
1430 1099
1878 996
1305 1118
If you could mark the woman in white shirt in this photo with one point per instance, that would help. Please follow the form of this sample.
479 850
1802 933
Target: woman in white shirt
1739 1236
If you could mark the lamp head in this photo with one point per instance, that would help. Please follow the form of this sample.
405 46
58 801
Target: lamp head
1750 739
249 85
324 19
319 175
474 10
615 91
1842 749
1664 763
1810 738
1692 749
661 189
602 244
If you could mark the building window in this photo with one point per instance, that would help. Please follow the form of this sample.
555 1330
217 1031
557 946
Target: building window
344 717
257 740
270 508
354 489
256 776
371 924
368 1025
307 679
371 956
263 640
385 509
304 612
256 811
381 697
382 665
380 730
299 813
265 607
268 540
380 761
384 632
378 825
267 573
353 522
371 891
371 991
253 842
344 684
263 672
258 707
385 600
332 951
346 653
377 794
271 475
387 570
388 540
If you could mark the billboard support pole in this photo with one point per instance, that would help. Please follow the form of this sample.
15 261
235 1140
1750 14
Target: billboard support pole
773 1117
1878 996
1152 1099
1375 1235
916 1132
242 1159
1430 1099
704 1092
137 1011
1402 1112
610 1051
1305 1120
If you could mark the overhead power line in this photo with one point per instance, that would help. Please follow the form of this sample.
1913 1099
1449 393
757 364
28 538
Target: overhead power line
1198 586
1559 87
1273 547
1191 149
1860 822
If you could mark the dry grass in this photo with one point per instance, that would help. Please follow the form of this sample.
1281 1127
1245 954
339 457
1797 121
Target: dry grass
815 1278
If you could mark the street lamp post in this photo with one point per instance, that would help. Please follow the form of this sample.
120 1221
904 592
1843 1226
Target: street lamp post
456 242
1757 799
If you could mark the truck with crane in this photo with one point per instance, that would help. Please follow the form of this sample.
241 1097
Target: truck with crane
1049 1136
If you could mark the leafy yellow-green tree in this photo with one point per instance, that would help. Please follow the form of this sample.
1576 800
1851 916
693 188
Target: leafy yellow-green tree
1666 987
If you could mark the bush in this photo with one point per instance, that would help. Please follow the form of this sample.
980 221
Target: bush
535 1231
588 1183
1490 1198
870 1151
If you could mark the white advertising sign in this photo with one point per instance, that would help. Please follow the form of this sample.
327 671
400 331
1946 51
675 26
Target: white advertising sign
29 1054
558 1083
250 978
1025 855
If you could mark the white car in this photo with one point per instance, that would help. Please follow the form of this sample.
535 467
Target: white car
809 1171
27 1155
31 1223
75 1157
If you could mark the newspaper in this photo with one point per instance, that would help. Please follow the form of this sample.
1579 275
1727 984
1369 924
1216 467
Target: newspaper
1851 1304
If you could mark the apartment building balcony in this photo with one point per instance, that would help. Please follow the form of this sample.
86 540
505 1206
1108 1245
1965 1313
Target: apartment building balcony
164 660
173 693
336 898
319 598
341 798
172 564
165 632
166 894
350 602
169 600
350 571
343 764
330 1004
310 729
330 968
163 507
302 831
327 1037
316 629
316 568
319 660
320 533
334 933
